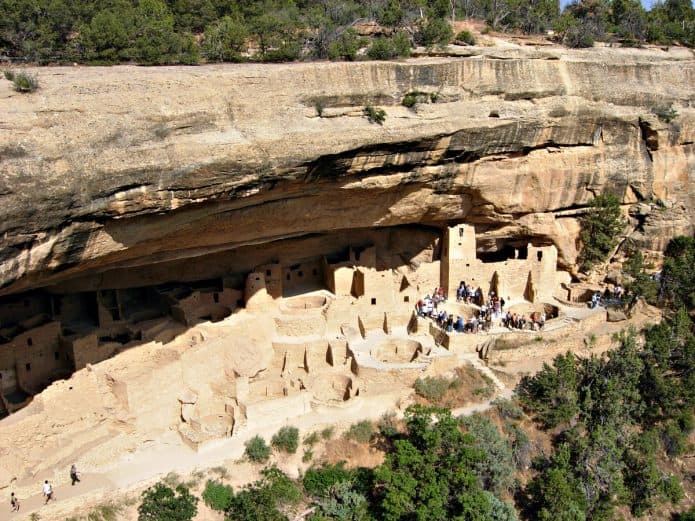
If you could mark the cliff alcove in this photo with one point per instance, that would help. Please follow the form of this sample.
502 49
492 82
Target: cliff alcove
252 250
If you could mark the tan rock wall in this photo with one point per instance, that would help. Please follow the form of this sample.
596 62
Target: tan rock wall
190 166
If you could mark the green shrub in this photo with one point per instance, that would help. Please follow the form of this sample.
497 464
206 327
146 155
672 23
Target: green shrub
688 515
217 496
162 503
286 440
520 445
105 512
343 502
374 115
501 510
225 40
257 450
432 388
311 439
387 48
307 456
153 39
486 30
508 409
9 75
686 422
677 276
282 487
361 432
387 425
327 433
675 442
578 37
317 481
671 489
552 392
24 82
434 31
496 469
221 471
430 471
665 113
345 46
486 391
414 97
409 100
172 479
466 37
263 499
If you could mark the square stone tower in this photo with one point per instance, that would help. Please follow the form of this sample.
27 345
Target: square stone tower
458 251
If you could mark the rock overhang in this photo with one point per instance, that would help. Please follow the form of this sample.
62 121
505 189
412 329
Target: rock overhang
110 168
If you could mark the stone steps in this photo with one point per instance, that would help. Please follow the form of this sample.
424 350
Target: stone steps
482 368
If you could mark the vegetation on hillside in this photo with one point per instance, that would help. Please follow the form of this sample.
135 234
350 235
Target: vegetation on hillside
186 32
613 415
617 425
162 503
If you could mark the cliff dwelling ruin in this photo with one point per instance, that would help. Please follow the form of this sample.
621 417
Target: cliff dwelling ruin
293 333
257 264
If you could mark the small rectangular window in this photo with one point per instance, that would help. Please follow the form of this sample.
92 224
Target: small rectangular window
267 273
406 299
373 302
56 355
27 367
30 342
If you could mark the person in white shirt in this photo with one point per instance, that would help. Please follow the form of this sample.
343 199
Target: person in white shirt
47 491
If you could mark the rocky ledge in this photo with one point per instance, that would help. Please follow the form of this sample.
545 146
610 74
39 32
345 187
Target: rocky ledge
123 167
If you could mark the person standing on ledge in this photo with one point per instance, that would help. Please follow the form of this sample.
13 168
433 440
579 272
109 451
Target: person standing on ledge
47 491
73 475
14 503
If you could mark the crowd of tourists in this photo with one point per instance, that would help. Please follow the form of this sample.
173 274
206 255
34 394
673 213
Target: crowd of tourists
607 297
535 321
490 310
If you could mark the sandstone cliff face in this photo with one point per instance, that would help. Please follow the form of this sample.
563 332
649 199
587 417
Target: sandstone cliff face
111 168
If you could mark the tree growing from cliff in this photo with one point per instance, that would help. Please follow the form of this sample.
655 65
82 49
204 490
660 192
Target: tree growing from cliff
601 228
678 277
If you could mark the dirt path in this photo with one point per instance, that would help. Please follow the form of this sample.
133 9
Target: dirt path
170 455
93 485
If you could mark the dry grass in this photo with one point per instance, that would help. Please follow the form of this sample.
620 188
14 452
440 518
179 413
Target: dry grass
467 386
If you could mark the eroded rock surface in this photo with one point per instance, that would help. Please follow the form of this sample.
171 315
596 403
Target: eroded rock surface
124 167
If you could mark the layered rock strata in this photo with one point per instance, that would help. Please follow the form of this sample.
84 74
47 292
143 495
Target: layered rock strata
123 167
